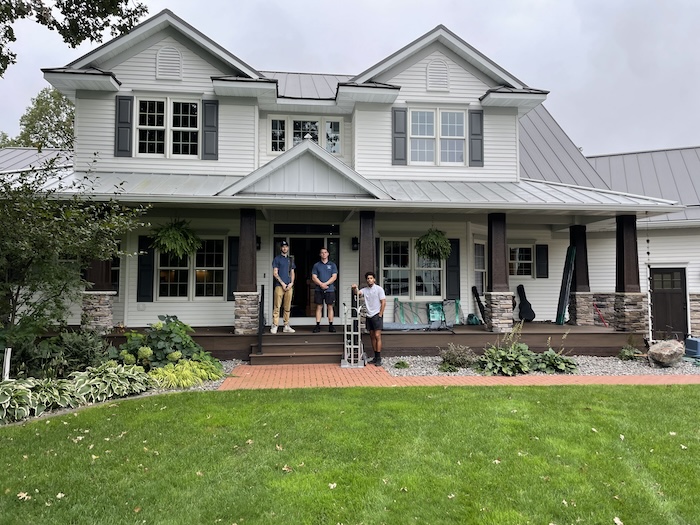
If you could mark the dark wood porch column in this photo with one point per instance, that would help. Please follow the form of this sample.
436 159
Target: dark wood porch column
247 254
627 257
368 258
100 275
498 254
97 305
577 239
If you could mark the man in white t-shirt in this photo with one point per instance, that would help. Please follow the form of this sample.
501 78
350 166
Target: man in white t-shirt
375 302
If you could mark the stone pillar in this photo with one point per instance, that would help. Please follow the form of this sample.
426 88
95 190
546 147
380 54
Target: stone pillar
581 311
631 312
97 311
246 312
499 311
694 300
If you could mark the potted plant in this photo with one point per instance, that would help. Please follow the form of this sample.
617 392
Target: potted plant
433 245
176 238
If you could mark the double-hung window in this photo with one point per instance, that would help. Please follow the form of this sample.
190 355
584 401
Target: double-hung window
405 274
326 132
200 275
480 267
168 127
437 129
520 260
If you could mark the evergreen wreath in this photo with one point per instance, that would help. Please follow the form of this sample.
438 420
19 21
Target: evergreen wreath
433 245
176 238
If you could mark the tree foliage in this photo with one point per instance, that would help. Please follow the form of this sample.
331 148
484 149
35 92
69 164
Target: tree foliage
49 237
75 20
47 123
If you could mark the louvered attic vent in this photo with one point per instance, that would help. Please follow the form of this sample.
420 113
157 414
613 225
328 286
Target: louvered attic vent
438 76
169 64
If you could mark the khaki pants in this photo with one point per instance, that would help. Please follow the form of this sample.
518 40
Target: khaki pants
284 299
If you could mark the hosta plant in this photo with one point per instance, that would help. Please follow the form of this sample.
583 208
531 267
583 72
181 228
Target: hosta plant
186 374
508 357
110 380
552 362
16 400
53 394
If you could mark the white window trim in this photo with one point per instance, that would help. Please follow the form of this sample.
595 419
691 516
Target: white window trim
289 131
412 269
437 135
191 278
168 128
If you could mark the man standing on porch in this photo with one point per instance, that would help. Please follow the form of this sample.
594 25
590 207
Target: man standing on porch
283 273
375 302
324 274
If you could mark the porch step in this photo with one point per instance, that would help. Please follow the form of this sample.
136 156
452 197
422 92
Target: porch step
299 348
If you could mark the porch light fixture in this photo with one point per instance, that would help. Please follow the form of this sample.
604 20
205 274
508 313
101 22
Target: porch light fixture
355 244
258 242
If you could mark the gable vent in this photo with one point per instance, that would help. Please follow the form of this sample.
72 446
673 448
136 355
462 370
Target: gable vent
169 64
438 76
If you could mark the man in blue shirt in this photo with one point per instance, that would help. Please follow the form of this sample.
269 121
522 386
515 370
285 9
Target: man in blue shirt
324 274
283 274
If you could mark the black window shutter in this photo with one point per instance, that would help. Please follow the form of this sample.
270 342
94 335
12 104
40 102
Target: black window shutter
232 267
452 287
124 127
399 144
542 261
476 138
145 271
210 130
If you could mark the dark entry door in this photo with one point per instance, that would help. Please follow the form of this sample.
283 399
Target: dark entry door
668 303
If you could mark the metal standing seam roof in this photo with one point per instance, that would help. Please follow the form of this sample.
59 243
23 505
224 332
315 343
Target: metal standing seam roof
672 174
306 85
17 160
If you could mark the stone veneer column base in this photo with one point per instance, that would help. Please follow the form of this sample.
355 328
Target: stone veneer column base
581 311
694 300
631 312
246 312
499 312
97 311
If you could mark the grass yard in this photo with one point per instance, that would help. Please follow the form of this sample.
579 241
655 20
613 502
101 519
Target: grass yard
494 455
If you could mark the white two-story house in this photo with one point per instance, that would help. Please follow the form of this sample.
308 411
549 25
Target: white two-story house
436 135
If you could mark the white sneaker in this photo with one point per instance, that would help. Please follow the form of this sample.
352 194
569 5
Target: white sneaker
288 329
273 329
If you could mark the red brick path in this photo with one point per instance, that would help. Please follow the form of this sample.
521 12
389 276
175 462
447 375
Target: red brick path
311 376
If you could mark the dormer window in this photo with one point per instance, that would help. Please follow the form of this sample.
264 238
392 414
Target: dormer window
326 132
168 126
426 136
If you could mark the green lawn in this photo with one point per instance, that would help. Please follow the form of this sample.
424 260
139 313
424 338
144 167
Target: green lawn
492 455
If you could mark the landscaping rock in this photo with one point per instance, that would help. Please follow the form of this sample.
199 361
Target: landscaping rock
666 353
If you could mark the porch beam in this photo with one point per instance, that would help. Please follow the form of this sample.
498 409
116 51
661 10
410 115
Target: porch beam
368 259
626 256
577 239
498 253
247 253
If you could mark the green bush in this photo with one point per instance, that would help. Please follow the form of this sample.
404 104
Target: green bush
54 394
16 400
110 380
447 367
552 362
459 356
629 353
401 364
186 374
509 357
166 341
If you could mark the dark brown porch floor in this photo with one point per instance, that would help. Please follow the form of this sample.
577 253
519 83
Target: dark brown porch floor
247 377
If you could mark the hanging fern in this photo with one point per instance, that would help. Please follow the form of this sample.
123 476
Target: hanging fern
433 245
176 238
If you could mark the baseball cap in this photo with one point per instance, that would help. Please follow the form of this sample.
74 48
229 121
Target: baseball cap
284 243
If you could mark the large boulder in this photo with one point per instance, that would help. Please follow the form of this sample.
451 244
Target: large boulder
666 353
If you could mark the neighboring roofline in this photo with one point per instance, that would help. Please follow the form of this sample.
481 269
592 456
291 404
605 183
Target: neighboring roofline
662 150
154 24
462 48
294 153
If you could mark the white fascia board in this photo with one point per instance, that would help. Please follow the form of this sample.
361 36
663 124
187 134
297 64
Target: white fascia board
522 101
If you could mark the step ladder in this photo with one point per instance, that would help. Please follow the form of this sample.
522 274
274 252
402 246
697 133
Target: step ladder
353 354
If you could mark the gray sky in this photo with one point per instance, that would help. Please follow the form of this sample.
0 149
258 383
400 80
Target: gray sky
623 75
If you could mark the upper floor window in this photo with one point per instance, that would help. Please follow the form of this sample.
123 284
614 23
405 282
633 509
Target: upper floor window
406 274
326 132
168 127
449 134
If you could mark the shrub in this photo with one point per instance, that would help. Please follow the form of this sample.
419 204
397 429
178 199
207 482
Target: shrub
401 364
447 367
165 341
508 357
53 394
459 356
629 353
16 400
109 380
186 374
552 362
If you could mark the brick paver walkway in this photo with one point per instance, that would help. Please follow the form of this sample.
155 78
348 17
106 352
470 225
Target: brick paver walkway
312 376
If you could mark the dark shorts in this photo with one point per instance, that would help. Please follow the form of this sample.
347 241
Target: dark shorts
321 297
375 323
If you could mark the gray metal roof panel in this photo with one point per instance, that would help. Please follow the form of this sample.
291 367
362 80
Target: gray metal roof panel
306 85
15 160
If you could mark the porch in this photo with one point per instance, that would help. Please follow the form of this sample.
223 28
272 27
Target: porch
305 347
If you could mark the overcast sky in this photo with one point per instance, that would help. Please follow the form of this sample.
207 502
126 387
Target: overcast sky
623 75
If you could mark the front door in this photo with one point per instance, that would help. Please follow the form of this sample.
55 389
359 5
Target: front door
305 251
668 304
